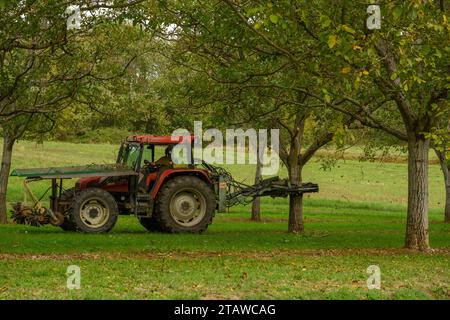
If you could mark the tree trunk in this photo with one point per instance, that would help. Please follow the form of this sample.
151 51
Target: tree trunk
256 205
446 170
417 216
295 202
4 175
447 195
294 165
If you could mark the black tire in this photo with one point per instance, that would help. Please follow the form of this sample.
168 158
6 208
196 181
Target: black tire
68 224
150 223
94 211
189 195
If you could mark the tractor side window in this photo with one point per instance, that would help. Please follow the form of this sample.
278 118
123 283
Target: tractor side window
121 154
146 155
131 156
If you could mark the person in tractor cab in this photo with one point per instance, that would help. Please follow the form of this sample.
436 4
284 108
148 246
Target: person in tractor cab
165 160
151 170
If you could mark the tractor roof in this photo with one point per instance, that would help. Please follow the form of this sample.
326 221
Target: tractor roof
164 140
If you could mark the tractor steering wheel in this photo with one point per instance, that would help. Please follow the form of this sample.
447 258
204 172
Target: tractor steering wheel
149 166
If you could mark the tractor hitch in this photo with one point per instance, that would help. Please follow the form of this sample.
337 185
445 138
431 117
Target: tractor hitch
232 192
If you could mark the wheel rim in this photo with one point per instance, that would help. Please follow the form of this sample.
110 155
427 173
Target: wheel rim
94 213
188 207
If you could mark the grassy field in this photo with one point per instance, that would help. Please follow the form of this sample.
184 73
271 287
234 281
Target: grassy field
357 220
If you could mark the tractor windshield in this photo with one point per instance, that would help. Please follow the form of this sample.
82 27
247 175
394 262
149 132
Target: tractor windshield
129 155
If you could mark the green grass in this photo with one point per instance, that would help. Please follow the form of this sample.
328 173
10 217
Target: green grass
216 277
326 228
351 224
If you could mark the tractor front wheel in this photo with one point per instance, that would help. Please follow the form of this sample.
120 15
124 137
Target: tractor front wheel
94 211
185 204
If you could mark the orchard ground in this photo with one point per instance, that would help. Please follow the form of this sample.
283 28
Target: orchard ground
357 220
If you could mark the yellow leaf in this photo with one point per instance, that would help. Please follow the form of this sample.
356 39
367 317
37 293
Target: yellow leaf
346 70
54 69
348 29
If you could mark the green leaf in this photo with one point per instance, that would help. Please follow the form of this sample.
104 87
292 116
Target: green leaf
412 14
371 52
394 76
405 86
273 18
252 11
325 22
397 12
332 40
438 54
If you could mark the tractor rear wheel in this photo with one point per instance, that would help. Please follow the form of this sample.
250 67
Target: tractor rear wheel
185 204
68 224
150 223
94 211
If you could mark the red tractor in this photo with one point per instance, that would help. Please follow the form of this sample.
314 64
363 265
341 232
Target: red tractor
164 196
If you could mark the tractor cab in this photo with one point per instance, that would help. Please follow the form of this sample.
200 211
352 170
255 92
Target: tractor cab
139 151
150 156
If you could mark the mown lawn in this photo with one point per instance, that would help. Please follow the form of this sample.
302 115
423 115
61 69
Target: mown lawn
276 276
352 223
